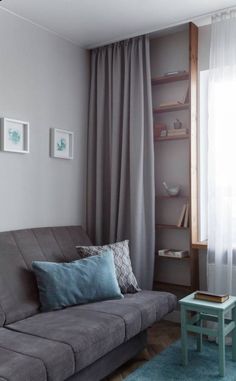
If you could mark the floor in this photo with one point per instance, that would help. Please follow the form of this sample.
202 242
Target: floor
160 336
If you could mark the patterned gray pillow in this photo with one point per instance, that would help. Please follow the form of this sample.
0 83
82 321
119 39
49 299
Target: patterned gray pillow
124 273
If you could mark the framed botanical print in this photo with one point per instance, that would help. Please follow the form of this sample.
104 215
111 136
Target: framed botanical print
14 135
61 144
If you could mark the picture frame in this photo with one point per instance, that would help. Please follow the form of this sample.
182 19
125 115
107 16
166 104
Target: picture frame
14 135
62 142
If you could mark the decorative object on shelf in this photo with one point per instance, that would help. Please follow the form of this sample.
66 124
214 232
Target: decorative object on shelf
178 132
14 135
171 253
171 190
62 143
163 133
160 129
177 124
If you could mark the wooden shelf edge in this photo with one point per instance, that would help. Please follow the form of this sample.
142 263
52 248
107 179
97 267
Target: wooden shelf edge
173 258
168 138
172 286
178 107
199 245
172 197
170 78
166 226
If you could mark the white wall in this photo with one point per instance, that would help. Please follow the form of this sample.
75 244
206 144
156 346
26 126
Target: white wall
43 80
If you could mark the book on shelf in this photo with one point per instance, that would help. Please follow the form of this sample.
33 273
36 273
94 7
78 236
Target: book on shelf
181 217
210 297
186 98
171 253
186 216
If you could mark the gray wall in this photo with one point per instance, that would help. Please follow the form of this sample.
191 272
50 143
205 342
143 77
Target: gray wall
43 80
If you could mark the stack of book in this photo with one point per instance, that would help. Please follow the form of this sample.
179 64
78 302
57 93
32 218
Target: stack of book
178 132
170 253
184 217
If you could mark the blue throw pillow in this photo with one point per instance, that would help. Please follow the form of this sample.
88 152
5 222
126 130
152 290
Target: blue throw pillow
79 282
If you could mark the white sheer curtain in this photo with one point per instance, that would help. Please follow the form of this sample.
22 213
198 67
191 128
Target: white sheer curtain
222 156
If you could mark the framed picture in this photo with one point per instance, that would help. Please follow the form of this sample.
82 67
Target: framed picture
61 144
14 135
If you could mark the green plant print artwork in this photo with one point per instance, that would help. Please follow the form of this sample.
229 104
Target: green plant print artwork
14 136
61 144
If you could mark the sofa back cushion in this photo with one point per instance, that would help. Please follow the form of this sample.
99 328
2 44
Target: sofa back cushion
18 249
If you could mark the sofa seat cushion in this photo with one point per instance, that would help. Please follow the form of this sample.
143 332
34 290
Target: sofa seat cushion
139 310
56 359
90 335
153 305
131 317
17 367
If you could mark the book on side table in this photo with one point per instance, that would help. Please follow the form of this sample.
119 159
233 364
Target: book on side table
210 297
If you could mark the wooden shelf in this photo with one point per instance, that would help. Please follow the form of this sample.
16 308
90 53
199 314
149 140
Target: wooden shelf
171 287
166 226
172 197
170 78
173 258
178 107
165 138
200 245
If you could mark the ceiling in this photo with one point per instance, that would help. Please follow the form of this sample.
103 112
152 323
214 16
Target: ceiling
91 23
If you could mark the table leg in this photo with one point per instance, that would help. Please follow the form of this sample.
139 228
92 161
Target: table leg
221 337
234 335
199 336
184 336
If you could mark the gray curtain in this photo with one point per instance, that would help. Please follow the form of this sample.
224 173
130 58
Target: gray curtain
121 191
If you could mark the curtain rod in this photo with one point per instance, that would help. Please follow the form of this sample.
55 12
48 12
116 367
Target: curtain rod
202 17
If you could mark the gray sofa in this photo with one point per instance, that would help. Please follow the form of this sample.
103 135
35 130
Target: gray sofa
78 343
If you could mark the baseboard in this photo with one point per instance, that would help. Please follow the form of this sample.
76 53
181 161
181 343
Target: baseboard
173 316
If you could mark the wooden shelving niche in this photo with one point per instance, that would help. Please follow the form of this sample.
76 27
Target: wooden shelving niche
169 231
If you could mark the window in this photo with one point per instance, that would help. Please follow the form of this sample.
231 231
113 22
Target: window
202 155
225 138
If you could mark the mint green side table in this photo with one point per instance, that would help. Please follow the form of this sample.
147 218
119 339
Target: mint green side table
201 310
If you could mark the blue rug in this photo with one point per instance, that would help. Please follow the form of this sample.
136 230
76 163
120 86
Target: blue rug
202 366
